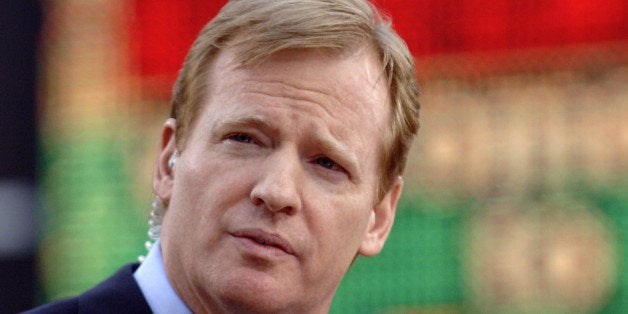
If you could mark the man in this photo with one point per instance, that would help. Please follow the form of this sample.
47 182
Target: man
281 162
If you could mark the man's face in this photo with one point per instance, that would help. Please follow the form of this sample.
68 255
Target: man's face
274 193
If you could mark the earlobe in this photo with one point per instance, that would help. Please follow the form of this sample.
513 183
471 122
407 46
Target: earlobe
163 175
381 221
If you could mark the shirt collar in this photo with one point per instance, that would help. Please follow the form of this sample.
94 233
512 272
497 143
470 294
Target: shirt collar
152 279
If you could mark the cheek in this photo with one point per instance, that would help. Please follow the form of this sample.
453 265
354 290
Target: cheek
344 226
338 232
212 179
201 195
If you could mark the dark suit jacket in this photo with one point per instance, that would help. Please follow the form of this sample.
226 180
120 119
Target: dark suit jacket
118 294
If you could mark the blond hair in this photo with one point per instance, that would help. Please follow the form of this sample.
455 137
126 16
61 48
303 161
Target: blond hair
260 28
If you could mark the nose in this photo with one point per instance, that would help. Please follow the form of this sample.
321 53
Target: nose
277 188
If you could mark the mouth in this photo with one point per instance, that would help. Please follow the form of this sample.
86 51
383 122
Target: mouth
265 239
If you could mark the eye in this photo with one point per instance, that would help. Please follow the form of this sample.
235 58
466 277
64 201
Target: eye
327 163
241 137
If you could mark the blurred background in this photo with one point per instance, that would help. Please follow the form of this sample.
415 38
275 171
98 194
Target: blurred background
516 196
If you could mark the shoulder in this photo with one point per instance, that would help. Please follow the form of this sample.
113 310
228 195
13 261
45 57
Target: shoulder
64 306
118 294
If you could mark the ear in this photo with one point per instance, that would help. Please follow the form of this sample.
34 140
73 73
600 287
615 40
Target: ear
163 177
381 221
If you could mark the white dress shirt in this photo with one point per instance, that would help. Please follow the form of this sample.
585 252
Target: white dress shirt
152 279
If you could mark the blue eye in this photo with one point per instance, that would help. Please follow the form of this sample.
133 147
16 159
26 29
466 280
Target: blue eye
241 137
327 163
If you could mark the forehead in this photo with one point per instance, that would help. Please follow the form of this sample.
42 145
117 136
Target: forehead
337 81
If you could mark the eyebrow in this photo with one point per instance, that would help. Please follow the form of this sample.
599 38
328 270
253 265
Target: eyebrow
248 120
253 121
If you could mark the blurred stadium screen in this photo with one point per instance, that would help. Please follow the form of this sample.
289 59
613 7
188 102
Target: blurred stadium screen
516 194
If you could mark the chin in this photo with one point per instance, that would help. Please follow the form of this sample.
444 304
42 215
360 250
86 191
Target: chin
260 302
255 292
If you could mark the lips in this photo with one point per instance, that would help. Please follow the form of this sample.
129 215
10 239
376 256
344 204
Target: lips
264 238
